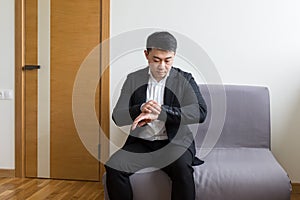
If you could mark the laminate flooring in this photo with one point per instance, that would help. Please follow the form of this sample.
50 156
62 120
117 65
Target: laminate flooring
36 189
40 189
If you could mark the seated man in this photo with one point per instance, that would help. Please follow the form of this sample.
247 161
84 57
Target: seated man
159 102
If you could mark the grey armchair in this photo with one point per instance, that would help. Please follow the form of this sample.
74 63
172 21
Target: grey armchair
241 164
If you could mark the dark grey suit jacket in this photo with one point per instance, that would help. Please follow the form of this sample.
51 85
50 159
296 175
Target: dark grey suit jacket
183 105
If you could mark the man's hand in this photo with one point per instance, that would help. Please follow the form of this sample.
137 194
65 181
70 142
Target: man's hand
143 119
150 111
151 107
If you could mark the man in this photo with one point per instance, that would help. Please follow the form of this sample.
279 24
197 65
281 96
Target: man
159 102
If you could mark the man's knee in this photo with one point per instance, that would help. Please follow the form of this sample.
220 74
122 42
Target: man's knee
182 166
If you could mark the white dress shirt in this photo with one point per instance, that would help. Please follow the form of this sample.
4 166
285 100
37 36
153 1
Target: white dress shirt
155 130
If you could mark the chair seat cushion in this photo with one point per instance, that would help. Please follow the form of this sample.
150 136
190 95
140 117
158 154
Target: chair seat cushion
227 174
241 173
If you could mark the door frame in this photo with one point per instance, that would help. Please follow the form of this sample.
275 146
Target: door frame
19 83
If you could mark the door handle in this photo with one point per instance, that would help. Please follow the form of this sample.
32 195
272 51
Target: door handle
31 67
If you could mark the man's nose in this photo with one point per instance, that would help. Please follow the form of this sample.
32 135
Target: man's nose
162 64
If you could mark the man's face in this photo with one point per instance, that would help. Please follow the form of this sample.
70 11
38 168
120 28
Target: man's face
160 62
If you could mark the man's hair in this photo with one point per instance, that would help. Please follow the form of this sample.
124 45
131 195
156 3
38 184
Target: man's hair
161 40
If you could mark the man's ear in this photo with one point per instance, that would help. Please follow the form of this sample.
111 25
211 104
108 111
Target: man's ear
146 54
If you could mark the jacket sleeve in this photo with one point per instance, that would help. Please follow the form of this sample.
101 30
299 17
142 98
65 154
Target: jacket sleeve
126 110
191 106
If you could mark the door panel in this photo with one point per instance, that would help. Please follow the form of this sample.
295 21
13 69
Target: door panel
74 31
75 26
31 89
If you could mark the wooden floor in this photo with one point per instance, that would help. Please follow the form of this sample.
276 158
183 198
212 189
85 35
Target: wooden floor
295 197
36 189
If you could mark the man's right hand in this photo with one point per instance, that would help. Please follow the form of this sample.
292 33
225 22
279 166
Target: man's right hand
143 119
151 107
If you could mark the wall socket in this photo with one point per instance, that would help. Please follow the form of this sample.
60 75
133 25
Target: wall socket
6 94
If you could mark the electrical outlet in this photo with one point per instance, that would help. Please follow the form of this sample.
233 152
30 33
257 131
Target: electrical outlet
6 94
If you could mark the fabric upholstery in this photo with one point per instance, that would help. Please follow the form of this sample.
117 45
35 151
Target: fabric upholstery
240 165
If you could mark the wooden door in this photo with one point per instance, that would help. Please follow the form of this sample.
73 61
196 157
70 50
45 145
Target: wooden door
58 36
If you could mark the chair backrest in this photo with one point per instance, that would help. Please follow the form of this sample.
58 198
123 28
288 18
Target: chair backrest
247 116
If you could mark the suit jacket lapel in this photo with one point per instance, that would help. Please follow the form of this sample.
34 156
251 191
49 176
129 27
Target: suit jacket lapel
169 88
141 85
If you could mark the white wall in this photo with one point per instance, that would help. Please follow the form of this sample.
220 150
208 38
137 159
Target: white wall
250 42
7 142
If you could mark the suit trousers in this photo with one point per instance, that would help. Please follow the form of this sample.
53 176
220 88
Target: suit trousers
174 160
